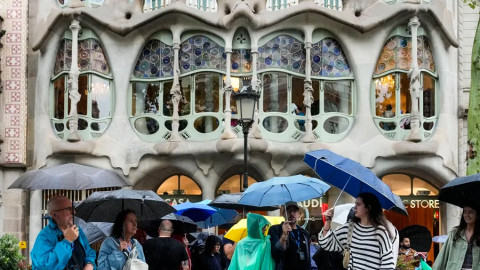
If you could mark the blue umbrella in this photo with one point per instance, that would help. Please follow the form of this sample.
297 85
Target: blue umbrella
279 190
220 217
352 177
195 211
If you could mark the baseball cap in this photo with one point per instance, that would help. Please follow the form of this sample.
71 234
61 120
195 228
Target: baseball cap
290 203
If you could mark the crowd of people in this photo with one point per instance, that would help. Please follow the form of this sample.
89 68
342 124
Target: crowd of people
367 241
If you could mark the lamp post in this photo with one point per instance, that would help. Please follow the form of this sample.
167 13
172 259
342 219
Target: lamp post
247 100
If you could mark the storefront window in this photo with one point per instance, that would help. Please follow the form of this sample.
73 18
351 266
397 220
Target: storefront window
400 184
179 185
234 184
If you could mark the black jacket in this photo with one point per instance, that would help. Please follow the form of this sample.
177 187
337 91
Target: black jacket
278 252
328 260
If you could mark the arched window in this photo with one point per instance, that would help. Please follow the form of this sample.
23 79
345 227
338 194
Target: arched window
95 85
409 185
282 61
202 62
179 185
234 184
392 103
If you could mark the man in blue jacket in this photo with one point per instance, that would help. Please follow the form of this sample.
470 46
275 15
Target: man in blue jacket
61 245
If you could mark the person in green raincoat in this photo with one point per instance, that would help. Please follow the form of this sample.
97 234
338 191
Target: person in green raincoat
254 251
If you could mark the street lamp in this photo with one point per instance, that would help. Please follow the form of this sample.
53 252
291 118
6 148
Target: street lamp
247 100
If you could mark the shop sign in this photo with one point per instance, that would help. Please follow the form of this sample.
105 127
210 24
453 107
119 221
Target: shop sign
312 203
421 202
179 199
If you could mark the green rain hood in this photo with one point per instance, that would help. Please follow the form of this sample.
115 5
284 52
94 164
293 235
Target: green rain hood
254 251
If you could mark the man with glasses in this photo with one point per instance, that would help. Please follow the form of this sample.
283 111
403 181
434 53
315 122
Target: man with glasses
290 242
61 245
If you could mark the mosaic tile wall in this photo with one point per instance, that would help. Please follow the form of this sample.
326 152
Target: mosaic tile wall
13 67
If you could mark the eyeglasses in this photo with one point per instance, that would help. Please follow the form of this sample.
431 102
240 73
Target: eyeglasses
70 209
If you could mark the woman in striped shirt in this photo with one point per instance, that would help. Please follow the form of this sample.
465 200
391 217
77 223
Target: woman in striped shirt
370 247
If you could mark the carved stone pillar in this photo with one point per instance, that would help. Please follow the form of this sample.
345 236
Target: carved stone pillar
176 96
308 96
73 85
227 92
256 85
415 87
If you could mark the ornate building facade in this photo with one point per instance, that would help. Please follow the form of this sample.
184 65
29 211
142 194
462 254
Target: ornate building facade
145 88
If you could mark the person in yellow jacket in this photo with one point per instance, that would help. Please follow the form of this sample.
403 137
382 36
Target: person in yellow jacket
461 251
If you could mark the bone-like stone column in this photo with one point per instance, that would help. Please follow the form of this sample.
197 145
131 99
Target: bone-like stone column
415 87
256 85
176 96
73 85
308 95
227 92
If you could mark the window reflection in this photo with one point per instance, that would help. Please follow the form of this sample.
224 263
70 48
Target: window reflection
167 106
145 98
101 99
59 98
82 105
207 88
316 98
428 96
184 107
338 97
405 98
275 92
385 96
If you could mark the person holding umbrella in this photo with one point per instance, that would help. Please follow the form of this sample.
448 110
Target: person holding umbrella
290 242
366 238
61 244
115 250
462 248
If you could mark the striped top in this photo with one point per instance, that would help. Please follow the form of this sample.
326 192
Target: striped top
371 248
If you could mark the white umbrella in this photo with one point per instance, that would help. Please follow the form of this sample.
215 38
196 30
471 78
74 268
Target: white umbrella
440 239
340 214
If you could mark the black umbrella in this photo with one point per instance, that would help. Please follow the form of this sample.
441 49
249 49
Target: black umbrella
104 206
94 231
181 224
69 176
230 201
420 237
461 191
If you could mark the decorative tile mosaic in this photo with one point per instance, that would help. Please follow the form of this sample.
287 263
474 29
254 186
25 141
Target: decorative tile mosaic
329 60
90 56
155 61
396 54
200 52
283 51
241 60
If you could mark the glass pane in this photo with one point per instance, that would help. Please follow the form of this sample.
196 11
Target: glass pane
167 99
98 126
428 125
145 98
59 98
275 92
405 99
182 125
59 127
316 98
234 184
297 92
387 126
385 96
207 88
184 106
338 97
336 125
428 96
206 124
275 124
101 97
168 186
400 184
82 105
188 186
420 186
146 125
82 124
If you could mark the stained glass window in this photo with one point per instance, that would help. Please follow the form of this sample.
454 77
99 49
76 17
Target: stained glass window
155 61
328 59
283 52
200 52
241 61
397 55
91 57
